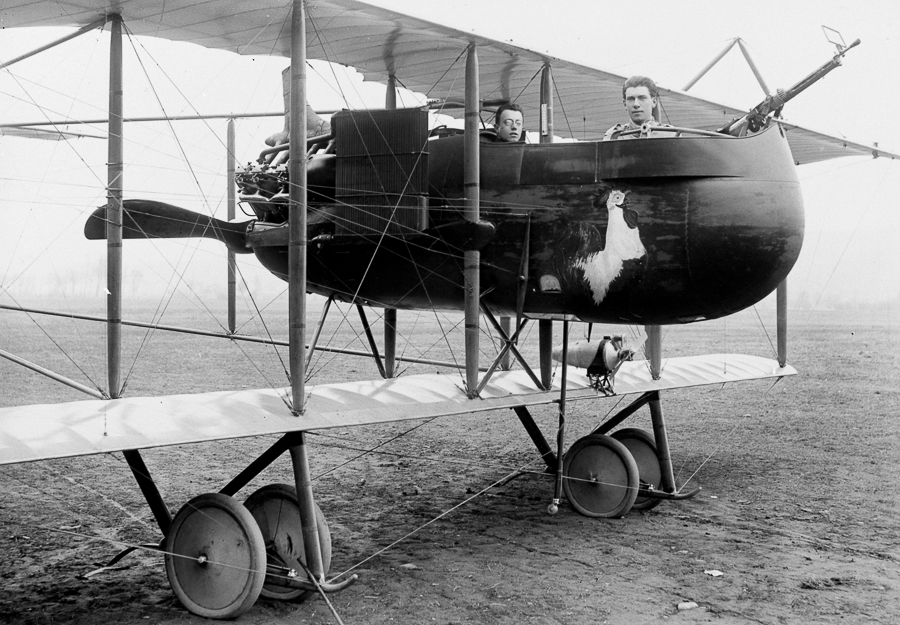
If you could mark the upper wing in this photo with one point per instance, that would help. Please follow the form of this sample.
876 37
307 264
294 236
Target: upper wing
425 57
40 432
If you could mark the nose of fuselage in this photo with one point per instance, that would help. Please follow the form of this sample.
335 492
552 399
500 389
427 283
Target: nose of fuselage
743 238
721 219
712 248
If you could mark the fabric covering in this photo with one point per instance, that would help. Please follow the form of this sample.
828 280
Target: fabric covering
39 432
424 56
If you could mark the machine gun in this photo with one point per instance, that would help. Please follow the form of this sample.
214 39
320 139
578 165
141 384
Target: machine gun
758 117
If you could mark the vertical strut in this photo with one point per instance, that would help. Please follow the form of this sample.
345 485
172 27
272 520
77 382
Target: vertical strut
390 94
390 341
297 285
545 351
297 213
115 155
545 326
546 104
505 324
662 444
472 188
231 201
654 350
781 323
390 314
561 433
654 355
303 483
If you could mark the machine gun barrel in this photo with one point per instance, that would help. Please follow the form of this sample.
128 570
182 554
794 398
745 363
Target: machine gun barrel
755 119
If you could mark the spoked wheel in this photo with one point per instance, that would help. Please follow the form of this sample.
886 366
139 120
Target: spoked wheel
600 477
643 449
275 509
215 557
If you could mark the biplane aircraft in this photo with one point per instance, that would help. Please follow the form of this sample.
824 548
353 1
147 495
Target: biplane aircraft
695 220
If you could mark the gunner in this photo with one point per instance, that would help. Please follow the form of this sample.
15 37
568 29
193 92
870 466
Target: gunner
641 99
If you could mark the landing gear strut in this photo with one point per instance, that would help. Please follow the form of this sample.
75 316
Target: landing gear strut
607 475
221 556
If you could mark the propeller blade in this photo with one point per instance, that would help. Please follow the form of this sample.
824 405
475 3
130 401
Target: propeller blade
148 219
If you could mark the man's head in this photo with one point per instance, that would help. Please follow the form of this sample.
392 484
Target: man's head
509 122
641 97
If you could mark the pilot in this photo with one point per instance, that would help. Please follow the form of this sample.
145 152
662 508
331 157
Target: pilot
641 99
508 125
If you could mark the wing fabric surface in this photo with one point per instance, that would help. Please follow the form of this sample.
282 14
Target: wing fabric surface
424 56
41 432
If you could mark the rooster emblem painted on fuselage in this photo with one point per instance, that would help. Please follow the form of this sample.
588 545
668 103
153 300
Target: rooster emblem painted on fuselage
623 242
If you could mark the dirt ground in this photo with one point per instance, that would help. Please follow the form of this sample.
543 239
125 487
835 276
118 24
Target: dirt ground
797 521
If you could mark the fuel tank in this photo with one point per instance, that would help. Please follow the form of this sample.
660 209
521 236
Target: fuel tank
656 230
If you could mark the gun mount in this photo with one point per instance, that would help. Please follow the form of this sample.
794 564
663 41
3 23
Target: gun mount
759 116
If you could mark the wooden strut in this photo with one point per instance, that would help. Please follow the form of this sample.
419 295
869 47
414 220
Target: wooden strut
390 342
232 337
561 431
259 465
308 525
781 322
297 218
318 332
654 356
153 498
503 328
521 292
509 345
667 488
545 351
148 487
115 156
522 289
297 291
390 314
537 436
472 187
545 326
662 445
368 330
231 203
78 386
506 327
294 442
84 29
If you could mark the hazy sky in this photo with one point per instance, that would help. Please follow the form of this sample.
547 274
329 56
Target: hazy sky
852 216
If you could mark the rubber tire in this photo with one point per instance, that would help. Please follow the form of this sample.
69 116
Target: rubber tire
600 477
220 528
642 446
280 528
